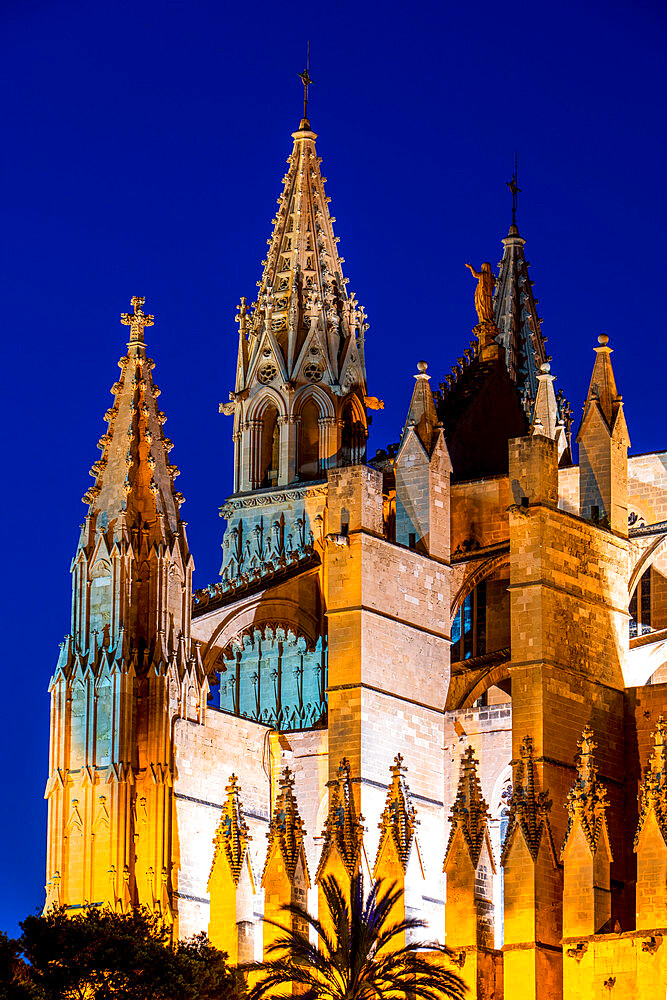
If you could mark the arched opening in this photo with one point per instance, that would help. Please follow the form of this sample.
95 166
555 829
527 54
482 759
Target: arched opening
648 604
353 437
309 442
269 447
481 624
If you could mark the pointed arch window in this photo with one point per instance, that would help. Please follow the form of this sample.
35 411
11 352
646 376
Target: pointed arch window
469 626
269 447
640 606
309 441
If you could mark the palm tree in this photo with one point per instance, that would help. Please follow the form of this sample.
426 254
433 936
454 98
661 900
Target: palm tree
359 958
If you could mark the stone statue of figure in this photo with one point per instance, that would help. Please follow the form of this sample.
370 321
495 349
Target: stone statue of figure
484 292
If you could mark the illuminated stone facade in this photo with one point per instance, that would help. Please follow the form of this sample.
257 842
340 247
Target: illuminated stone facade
445 665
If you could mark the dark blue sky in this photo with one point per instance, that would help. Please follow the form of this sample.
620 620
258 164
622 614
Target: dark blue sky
144 145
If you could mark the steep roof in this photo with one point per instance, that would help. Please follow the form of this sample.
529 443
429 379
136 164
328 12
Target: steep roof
481 410
422 415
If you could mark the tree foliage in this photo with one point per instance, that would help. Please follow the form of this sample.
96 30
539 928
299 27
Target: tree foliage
97 954
363 958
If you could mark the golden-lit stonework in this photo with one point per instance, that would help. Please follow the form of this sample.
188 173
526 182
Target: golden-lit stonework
462 639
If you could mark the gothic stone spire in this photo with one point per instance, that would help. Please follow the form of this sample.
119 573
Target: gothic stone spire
303 332
515 312
653 789
134 479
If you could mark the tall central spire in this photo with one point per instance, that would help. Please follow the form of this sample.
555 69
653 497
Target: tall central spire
299 401
302 278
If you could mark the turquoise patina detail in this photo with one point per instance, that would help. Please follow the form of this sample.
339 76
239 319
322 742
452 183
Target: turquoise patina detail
272 677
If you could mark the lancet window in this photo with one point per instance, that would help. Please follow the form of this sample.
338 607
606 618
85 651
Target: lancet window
469 626
309 442
269 447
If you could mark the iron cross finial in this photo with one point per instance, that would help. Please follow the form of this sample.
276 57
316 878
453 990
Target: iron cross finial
306 81
514 188
137 319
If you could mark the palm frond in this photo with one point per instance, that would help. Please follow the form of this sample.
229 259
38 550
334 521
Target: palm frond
358 957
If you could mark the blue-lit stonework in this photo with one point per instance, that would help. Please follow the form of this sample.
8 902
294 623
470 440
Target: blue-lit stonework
272 677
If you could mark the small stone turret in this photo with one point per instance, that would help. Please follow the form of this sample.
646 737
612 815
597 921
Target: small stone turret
603 448
423 470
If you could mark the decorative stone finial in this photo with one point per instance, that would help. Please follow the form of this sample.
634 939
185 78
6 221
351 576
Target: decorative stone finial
286 830
398 819
603 340
587 799
469 811
342 828
653 789
232 836
529 809
422 366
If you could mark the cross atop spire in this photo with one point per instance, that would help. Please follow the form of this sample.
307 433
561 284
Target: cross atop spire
514 188
306 81
137 320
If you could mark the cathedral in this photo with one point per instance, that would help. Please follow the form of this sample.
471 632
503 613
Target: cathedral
444 665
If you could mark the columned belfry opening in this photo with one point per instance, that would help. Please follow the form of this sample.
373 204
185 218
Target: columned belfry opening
309 442
269 447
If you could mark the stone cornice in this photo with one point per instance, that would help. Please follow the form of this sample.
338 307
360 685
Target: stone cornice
268 497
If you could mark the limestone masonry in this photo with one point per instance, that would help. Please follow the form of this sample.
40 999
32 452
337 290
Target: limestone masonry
445 666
